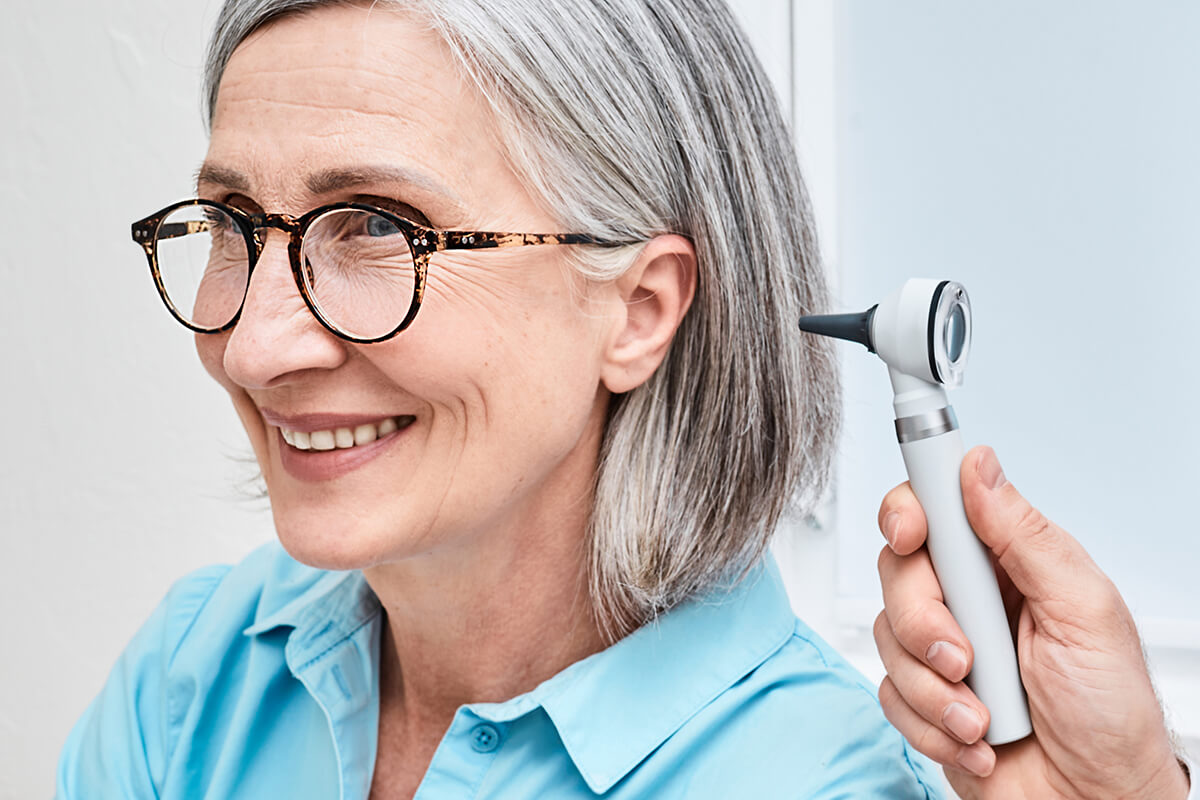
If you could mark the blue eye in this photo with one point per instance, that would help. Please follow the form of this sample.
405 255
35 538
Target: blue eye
379 226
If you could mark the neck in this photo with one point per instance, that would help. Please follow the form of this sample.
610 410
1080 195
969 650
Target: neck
492 616
486 636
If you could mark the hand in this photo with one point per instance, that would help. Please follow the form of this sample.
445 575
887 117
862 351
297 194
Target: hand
1098 728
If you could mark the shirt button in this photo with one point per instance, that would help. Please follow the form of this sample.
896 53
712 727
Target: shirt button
484 738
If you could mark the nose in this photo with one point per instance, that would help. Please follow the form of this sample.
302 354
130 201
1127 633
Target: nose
276 336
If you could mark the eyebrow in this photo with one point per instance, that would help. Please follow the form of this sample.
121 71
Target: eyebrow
222 176
335 179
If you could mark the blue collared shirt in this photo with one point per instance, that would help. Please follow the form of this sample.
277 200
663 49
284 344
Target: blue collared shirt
261 681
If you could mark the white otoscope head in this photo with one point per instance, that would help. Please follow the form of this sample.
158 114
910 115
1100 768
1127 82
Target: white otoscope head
923 329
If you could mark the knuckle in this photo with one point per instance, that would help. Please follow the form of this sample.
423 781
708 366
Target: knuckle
889 698
909 626
928 694
884 563
894 500
881 629
1033 522
1105 602
984 714
923 736
929 742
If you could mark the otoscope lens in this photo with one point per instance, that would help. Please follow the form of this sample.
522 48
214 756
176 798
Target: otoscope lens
956 333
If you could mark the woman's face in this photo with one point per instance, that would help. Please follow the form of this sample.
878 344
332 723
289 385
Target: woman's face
495 389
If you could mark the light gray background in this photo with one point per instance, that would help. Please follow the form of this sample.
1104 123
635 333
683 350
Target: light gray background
1044 154
119 468
1047 155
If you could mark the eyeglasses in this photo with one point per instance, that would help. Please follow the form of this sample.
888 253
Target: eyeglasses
360 269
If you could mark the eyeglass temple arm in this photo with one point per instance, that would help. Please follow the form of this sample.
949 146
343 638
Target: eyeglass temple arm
146 231
173 230
482 240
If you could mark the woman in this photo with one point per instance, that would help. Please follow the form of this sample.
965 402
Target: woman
524 527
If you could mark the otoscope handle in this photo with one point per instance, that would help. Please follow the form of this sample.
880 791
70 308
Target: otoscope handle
968 581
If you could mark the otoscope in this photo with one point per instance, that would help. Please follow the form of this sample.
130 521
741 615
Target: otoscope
923 333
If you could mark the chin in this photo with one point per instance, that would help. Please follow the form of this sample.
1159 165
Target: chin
339 543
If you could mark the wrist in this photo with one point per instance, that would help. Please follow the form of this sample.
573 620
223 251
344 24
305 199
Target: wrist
1169 779
1175 781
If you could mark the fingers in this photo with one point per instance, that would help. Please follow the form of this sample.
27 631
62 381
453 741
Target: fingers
927 656
917 617
902 520
1042 559
929 739
950 706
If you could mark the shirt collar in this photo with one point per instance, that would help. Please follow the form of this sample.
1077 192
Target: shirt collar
612 709
323 607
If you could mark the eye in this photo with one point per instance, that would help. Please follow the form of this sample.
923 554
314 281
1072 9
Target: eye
381 226
243 203
216 220
397 207
220 225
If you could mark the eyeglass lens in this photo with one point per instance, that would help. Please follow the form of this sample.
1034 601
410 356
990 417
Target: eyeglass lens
356 266
359 271
203 261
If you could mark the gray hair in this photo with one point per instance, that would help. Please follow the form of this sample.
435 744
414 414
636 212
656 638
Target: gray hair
630 119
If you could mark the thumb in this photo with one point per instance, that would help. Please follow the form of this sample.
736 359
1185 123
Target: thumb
1043 561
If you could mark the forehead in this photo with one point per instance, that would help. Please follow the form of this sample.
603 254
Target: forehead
346 86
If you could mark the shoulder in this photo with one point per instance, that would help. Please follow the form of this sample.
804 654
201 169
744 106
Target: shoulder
225 600
733 696
806 724
190 645
219 602
829 708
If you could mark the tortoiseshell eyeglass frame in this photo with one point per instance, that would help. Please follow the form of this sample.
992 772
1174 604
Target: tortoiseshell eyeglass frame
423 242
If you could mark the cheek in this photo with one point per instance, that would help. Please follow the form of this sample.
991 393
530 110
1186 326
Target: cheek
523 337
211 349
474 291
499 380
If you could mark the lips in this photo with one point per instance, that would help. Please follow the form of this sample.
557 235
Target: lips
321 447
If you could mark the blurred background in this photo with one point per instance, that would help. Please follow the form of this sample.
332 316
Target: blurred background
1045 155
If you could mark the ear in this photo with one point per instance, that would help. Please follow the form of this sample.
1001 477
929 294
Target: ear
654 294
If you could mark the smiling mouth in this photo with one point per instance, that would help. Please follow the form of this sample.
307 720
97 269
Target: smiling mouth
345 438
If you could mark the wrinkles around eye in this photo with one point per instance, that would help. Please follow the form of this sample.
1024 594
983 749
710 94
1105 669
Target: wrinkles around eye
480 279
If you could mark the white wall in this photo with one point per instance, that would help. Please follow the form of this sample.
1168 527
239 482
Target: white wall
119 463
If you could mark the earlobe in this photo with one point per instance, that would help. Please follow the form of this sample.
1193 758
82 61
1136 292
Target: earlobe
655 292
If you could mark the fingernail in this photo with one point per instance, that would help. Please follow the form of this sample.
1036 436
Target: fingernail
948 659
989 471
891 527
975 759
963 722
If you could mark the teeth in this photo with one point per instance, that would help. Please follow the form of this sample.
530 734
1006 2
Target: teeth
343 438
365 434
